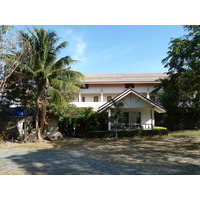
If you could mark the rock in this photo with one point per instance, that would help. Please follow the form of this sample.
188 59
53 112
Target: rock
31 138
55 135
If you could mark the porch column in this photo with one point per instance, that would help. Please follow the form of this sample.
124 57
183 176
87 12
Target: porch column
109 123
101 96
152 118
148 96
79 97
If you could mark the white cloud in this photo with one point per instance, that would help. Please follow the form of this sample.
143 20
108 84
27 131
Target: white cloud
79 49
76 47
68 32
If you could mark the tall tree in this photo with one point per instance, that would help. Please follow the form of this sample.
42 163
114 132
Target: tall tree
182 94
12 53
53 78
21 92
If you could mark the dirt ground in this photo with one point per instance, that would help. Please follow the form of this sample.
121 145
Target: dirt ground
155 156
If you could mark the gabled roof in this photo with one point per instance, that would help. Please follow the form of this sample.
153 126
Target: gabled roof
158 108
117 78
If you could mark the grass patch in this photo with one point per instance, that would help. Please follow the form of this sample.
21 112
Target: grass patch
188 133
7 146
30 146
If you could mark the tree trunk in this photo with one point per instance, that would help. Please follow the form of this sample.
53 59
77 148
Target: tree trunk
25 129
116 136
38 134
25 121
43 117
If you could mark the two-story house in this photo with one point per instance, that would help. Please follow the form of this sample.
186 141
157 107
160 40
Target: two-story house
133 89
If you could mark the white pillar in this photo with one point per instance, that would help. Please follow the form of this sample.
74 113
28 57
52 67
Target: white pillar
109 123
101 96
79 97
152 118
148 96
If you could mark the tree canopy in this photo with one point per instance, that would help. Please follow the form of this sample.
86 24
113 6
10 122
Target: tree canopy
43 80
182 93
12 53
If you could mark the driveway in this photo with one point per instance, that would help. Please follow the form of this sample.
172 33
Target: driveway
104 157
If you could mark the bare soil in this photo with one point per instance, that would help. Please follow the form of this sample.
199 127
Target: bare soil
162 156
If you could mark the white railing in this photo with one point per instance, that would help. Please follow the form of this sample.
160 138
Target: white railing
88 104
132 126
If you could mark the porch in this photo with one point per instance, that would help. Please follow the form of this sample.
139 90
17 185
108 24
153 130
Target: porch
134 118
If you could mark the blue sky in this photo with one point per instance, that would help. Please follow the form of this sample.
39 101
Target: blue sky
117 49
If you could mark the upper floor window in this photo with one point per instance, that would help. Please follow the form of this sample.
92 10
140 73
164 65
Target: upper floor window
96 98
109 98
129 85
86 86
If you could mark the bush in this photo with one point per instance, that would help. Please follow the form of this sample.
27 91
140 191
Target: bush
127 133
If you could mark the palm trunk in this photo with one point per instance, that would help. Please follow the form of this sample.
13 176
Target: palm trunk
25 124
43 117
38 134
25 121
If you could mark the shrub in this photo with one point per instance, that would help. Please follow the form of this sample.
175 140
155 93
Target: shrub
127 133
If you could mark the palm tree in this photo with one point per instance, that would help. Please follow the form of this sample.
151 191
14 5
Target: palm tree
116 114
53 80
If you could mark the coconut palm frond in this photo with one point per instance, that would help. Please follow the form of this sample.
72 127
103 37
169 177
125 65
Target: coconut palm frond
60 46
57 96
63 62
71 77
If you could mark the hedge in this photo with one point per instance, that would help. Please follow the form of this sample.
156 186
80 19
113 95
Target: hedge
126 133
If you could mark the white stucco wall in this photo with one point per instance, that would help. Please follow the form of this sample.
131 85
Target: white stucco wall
146 116
133 101
116 88
111 90
20 126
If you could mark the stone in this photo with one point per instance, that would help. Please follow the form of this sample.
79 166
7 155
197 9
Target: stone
55 135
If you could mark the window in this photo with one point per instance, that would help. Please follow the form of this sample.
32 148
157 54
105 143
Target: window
96 99
86 86
109 98
83 99
129 85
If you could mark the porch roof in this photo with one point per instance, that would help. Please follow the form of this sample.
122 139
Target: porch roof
157 107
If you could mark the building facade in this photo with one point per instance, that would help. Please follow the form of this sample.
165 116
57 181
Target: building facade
134 90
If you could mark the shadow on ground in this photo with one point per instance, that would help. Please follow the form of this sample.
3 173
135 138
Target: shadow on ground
123 157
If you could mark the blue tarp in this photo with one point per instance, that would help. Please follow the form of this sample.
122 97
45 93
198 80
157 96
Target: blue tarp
19 111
